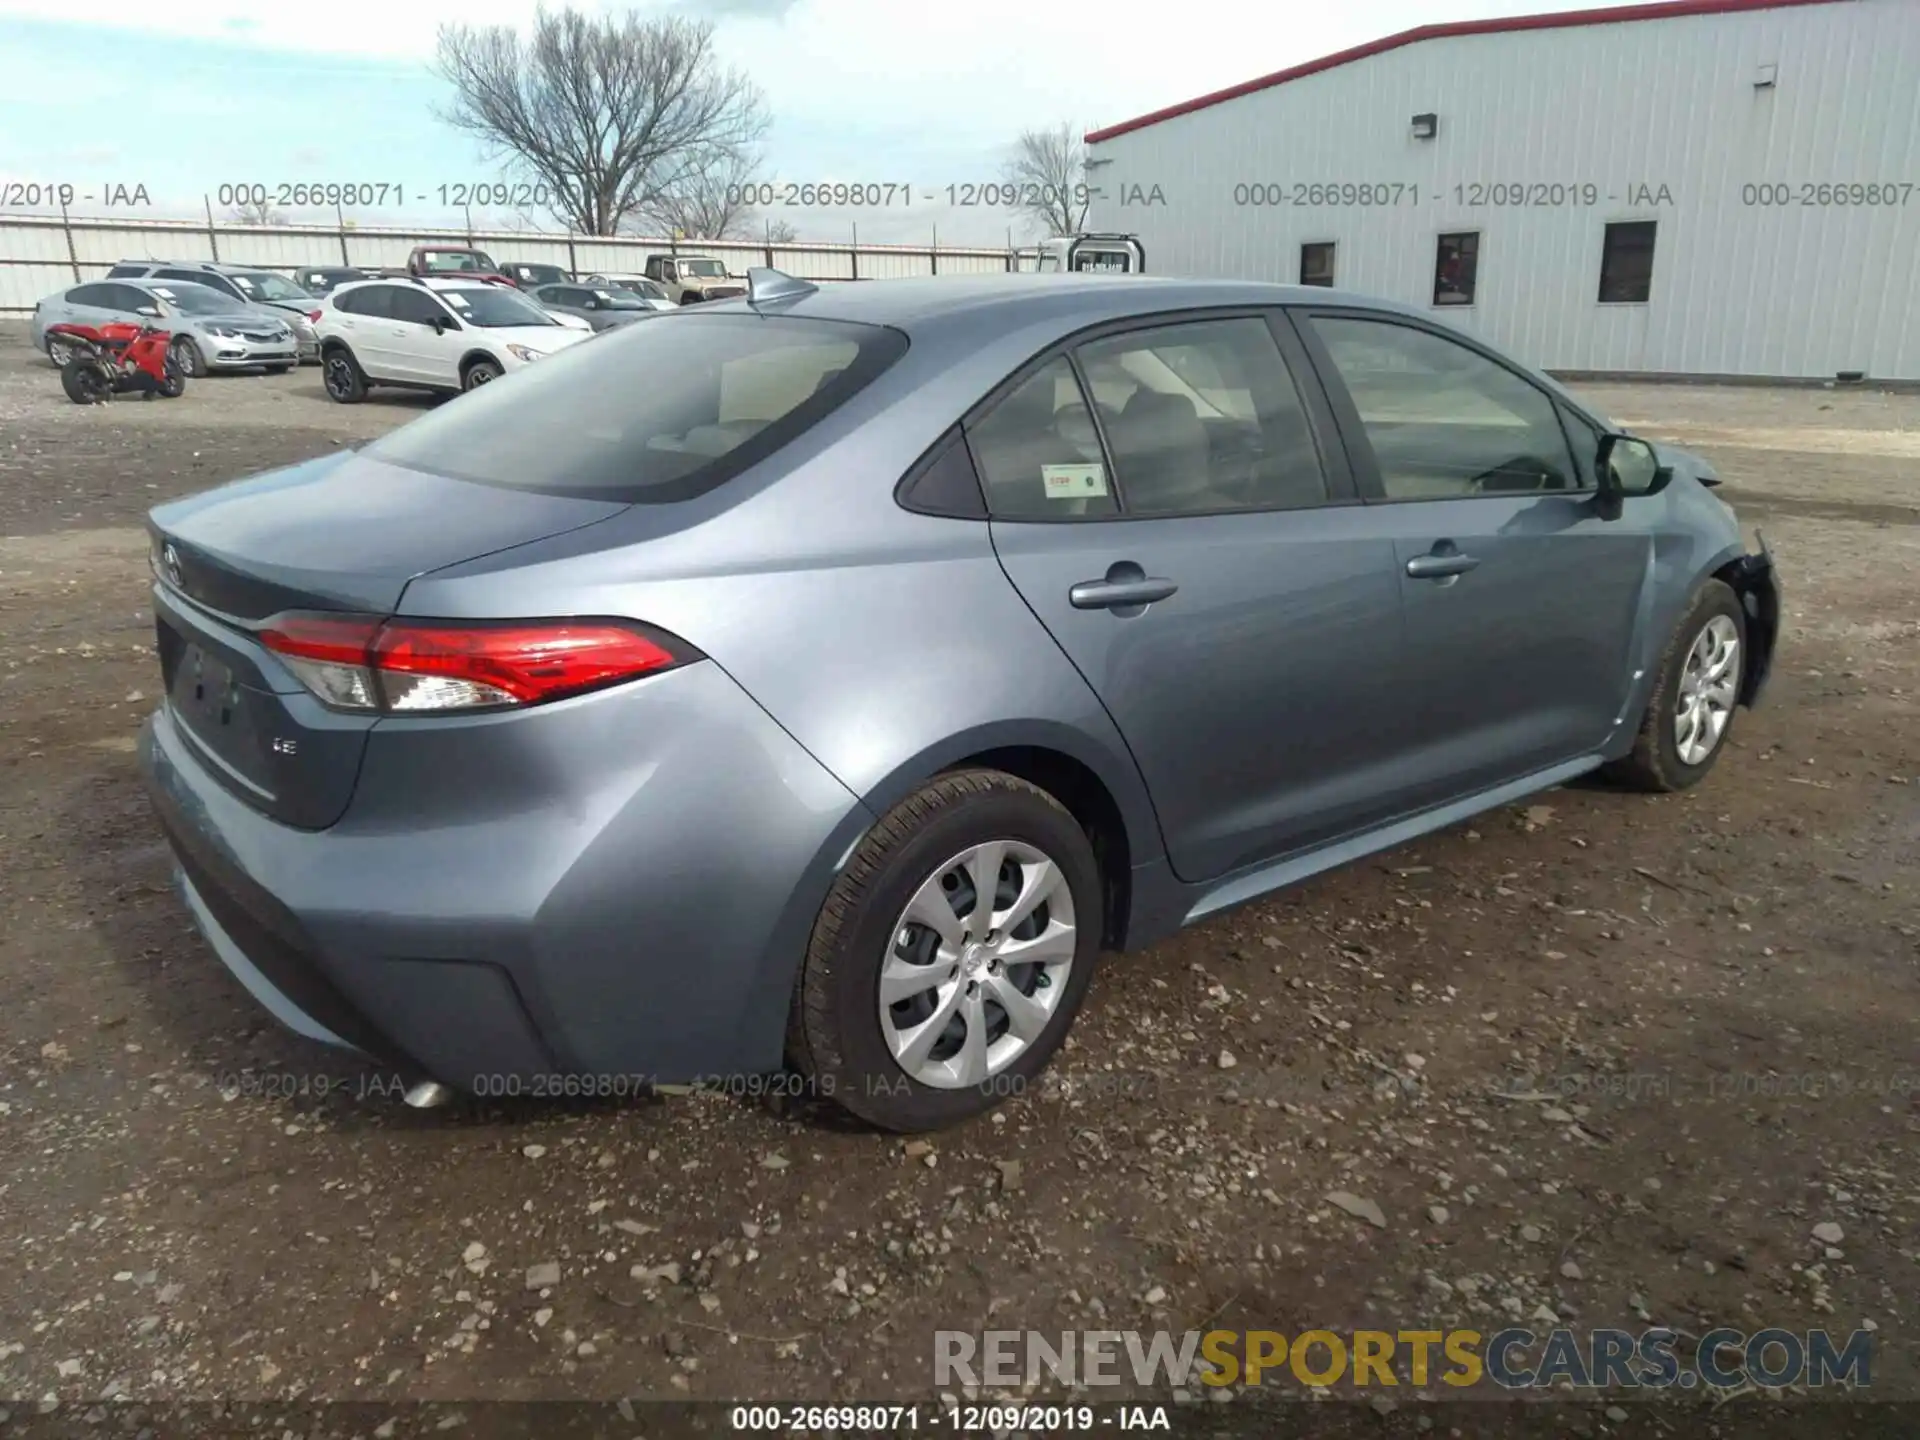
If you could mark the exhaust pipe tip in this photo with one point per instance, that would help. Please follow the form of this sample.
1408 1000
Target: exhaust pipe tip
428 1095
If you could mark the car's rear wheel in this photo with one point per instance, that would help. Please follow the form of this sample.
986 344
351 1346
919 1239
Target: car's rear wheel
345 381
1690 713
186 355
478 373
951 956
86 381
59 352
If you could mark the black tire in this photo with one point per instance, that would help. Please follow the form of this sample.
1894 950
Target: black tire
1655 764
476 373
278 369
86 381
192 363
834 1036
345 381
175 384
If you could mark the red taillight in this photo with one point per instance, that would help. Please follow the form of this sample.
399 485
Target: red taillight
314 315
413 667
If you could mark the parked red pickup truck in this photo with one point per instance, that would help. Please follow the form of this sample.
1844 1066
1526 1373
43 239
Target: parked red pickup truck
454 262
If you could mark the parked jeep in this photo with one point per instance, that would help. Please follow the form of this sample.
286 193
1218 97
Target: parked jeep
690 278
1098 253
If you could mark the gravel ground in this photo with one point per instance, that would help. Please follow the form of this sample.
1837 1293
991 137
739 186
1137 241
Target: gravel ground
1600 1058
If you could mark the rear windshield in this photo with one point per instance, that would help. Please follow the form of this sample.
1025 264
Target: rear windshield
649 414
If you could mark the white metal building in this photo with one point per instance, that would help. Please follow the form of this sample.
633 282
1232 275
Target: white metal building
1702 187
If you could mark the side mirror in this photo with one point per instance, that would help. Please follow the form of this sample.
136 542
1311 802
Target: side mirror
1627 468
443 323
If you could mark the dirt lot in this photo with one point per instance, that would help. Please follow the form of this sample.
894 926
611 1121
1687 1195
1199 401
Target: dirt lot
1700 1011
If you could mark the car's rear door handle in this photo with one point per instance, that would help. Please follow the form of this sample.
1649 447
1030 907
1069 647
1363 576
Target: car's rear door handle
1438 566
1117 594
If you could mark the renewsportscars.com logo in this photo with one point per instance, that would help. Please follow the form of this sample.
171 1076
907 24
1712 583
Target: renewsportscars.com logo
1514 1359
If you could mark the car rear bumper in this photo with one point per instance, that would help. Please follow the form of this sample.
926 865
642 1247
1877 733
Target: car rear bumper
615 889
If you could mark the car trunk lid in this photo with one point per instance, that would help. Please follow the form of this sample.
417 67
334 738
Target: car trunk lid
228 561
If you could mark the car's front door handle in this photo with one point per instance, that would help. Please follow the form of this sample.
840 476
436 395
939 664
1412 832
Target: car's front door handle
1117 594
1438 566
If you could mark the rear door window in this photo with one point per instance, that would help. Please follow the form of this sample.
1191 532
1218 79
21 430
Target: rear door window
1204 417
1039 454
656 417
375 301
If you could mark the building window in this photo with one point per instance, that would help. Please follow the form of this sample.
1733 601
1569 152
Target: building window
1316 263
1626 263
1454 268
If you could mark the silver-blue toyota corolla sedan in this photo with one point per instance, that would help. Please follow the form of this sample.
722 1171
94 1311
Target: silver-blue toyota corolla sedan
818 684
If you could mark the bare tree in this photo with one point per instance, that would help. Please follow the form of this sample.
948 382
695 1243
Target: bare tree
712 202
257 212
1049 167
608 112
779 232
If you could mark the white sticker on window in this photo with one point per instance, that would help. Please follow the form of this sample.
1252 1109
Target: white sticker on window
1074 482
163 292
455 298
243 282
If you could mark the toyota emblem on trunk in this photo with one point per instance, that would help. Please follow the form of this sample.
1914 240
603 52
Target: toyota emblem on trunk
170 558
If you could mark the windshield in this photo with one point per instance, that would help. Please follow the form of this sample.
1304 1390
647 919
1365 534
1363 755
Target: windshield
265 285
618 300
702 268
440 262
637 286
194 299
649 413
492 307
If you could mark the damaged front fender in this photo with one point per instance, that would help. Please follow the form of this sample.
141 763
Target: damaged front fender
1756 581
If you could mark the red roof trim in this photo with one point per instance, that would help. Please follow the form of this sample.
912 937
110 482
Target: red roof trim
1666 10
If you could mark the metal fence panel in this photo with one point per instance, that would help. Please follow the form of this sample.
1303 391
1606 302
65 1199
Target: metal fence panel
40 254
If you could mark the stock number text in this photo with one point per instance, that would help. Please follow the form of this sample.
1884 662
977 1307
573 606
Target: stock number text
1811 193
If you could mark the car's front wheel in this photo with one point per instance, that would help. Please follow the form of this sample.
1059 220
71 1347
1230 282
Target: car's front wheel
951 956
186 356
59 352
1690 713
478 373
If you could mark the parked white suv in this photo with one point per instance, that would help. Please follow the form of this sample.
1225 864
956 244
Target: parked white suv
431 334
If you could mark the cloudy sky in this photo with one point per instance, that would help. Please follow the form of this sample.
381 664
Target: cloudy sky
183 96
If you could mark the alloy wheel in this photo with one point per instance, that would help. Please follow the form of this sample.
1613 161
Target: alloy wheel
339 377
977 964
1709 688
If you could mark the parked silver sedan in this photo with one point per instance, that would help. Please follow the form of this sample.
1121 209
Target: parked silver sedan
651 292
211 332
601 306
827 678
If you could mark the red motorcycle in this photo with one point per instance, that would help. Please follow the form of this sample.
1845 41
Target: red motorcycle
118 359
